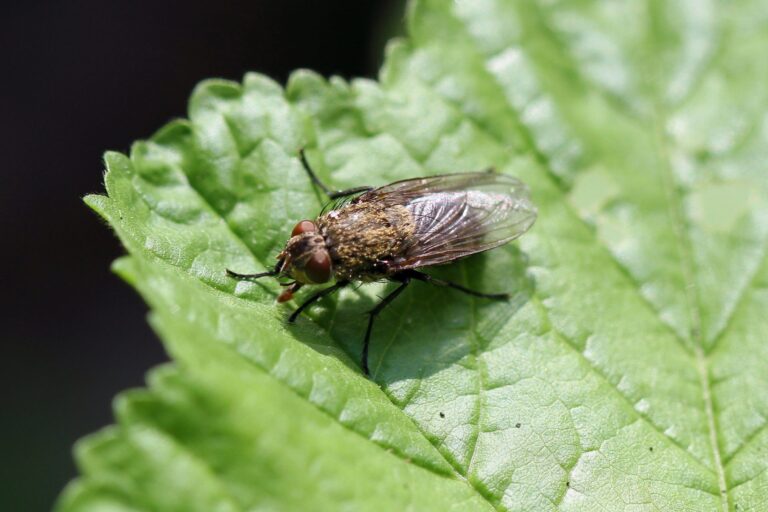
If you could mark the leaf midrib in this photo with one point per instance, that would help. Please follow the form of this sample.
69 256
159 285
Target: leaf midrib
687 270
685 248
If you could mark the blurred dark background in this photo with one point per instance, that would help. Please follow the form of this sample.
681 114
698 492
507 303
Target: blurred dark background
80 77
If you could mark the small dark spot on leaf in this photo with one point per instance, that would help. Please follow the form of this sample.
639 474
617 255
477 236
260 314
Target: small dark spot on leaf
702 155
517 425
442 415
650 448
567 484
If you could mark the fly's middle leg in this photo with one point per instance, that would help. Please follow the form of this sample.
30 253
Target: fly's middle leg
404 280
332 194
414 274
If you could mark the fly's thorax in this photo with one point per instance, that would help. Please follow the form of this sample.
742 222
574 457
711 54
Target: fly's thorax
306 258
359 236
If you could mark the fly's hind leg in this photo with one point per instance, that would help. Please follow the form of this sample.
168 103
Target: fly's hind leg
372 314
414 274
332 194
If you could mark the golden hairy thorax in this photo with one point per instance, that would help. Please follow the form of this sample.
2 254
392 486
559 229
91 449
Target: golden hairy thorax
360 235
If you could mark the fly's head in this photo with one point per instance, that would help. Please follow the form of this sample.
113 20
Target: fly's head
305 258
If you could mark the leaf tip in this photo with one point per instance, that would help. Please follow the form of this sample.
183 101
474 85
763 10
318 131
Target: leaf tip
174 130
88 450
302 81
262 84
395 54
98 203
125 268
209 92
114 161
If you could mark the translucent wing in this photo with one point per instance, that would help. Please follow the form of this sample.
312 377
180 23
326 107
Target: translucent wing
456 215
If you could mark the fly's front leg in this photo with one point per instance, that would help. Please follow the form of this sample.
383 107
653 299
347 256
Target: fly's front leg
332 194
404 280
273 272
236 275
319 295
414 274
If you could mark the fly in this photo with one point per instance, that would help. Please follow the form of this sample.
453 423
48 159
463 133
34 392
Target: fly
390 232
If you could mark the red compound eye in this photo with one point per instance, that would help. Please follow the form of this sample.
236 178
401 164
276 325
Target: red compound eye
318 268
305 226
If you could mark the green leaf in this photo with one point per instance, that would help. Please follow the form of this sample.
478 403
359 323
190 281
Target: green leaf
629 370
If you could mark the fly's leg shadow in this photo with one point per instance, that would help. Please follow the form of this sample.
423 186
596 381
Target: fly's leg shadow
319 295
405 278
372 314
332 194
420 276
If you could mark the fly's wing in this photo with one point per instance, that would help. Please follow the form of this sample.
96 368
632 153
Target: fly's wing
456 215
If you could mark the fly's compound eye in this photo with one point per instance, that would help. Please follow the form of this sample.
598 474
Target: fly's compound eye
305 226
318 268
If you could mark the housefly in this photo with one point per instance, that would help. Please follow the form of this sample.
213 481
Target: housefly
390 232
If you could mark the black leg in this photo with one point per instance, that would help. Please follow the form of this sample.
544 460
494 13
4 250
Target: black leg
319 295
330 193
348 192
414 274
251 276
372 315
275 271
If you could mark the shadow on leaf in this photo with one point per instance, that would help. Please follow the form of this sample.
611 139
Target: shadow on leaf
428 328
